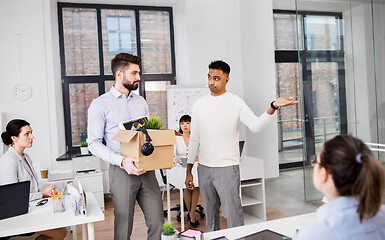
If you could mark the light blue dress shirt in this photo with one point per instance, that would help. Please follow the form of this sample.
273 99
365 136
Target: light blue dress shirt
104 115
338 219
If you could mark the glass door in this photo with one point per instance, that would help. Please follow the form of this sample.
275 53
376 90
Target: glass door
309 57
323 75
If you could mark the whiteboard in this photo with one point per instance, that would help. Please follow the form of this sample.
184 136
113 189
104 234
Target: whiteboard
180 100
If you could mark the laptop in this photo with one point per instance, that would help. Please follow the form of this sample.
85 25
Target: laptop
14 199
265 235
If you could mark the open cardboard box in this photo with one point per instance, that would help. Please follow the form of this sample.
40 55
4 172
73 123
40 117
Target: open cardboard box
163 141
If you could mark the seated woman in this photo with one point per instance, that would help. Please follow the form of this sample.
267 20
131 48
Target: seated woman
16 166
190 196
352 179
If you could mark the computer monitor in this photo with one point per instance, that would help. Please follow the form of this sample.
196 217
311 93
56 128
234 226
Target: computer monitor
14 199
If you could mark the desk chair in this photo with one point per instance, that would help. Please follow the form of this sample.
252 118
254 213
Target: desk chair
199 209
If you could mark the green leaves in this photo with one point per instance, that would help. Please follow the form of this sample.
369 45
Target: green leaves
154 122
168 229
83 144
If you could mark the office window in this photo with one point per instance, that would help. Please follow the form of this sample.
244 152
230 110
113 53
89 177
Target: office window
119 34
91 35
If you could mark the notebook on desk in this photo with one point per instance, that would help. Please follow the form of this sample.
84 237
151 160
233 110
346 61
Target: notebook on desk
14 199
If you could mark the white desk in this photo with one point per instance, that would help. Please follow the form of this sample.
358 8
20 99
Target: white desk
42 218
285 226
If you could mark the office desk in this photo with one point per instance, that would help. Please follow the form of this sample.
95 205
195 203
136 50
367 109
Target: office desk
42 218
285 226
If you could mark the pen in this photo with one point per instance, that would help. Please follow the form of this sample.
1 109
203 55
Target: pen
53 195
61 194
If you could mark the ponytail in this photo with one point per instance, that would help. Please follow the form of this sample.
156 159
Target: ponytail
355 172
369 187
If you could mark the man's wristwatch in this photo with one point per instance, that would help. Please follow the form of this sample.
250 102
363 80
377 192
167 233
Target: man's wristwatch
272 106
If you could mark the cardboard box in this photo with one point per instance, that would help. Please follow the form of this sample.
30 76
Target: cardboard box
163 141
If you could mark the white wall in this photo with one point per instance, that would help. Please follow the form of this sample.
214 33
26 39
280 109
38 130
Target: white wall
204 31
240 33
259 77
27 56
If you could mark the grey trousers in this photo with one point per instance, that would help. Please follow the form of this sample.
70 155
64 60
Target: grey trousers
125 190
220 185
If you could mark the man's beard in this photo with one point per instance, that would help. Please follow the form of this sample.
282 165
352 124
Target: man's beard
131 87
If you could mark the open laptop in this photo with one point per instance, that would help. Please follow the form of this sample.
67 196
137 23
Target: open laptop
14 199
265 235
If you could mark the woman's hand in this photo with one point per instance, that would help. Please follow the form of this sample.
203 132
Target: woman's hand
189 181
48 191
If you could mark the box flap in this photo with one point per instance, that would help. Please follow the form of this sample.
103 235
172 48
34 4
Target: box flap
162 137
124 136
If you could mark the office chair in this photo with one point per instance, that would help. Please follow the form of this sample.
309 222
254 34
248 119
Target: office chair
199 209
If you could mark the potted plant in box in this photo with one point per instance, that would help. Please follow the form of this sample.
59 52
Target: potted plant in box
153 122
168 231
83 147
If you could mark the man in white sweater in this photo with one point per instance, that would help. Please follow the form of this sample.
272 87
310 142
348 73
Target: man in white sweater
215 134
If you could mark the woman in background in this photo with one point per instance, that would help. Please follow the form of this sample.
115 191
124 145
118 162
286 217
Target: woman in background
190 196
16 166
352 179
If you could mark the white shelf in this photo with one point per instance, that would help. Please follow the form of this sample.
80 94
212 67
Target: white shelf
247 201
250 219
249 184
252 190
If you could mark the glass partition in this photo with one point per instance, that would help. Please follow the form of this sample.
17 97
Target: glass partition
338 67
342 90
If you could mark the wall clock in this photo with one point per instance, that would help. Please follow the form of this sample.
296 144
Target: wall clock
22 91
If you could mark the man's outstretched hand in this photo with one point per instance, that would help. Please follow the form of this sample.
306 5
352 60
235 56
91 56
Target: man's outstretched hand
283 102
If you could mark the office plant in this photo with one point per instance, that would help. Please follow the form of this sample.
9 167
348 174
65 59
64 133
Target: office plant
83 147
153 122
168 231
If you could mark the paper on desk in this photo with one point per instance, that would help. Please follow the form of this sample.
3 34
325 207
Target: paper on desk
78 199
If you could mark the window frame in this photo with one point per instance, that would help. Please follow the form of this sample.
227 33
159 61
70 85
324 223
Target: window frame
102 77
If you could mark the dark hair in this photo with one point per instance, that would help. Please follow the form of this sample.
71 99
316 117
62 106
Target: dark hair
123 60
184 118
221 65
355 172
13 129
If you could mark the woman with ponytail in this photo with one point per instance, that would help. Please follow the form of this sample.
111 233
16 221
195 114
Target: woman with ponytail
352 179
16 166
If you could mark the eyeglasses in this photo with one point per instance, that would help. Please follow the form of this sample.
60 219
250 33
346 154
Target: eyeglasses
314 161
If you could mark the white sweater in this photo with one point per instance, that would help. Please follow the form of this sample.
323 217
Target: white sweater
215 129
